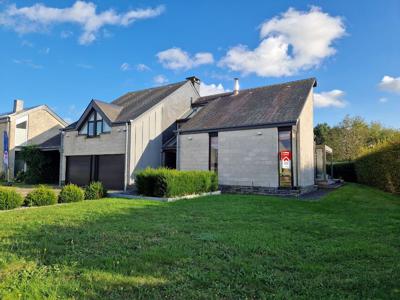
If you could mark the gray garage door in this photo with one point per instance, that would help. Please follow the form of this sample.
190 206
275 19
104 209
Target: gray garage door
108 169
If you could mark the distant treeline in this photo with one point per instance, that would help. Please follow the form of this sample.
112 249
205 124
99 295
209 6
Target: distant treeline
353 136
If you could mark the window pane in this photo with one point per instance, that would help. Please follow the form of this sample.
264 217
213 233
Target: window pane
285 159
99 117
99 128
90 128
214 153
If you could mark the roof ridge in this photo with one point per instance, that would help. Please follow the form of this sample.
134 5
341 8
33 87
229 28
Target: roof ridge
258 87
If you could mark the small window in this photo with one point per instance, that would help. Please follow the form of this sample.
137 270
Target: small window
213 152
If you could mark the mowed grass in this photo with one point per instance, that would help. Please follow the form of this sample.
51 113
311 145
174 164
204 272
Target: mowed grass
345 246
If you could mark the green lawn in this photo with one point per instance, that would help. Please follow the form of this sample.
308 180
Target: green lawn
345 246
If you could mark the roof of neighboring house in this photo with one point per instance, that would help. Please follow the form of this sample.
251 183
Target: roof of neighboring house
52 143
129 106
267 105
4 115
30 109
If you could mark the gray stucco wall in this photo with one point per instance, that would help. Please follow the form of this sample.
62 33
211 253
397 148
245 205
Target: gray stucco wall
193 151
145 143
245 157
248 157
306 143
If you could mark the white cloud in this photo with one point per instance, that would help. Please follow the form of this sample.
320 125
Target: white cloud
176 58
142 68
294 41
160 79
125 67
39 18
332 98
28 63
211 89
390 84
45 51
383 100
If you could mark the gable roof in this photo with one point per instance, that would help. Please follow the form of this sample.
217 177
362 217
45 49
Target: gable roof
129 106
267 105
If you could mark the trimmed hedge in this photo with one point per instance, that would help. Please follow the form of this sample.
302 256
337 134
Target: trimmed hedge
10 199
41 196
95 190
343 170
380 166
164 182
71 193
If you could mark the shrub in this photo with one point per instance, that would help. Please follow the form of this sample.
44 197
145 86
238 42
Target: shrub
41 196
379 166
9 198
71 193
95 190
171 183
343 170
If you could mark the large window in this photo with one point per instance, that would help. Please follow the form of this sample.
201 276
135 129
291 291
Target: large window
213 152
285 158
95 125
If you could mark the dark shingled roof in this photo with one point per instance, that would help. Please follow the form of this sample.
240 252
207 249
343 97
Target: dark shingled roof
279 103
136 103
54 142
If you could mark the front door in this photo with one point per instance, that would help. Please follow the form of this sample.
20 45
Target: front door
285 158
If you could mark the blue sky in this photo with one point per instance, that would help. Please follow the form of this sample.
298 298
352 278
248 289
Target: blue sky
65 53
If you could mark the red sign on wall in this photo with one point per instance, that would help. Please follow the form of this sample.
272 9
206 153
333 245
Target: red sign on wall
286 155
286 159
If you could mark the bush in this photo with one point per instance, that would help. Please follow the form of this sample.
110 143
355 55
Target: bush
71 193
41 196
171 183
95 190
9 198
343 170
379 166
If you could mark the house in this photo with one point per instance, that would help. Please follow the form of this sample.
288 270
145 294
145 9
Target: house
111 141
259 140
37 125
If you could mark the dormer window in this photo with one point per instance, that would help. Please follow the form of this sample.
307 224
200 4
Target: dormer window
95 125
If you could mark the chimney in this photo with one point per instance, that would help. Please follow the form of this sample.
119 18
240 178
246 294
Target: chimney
18 105
236 86
195 81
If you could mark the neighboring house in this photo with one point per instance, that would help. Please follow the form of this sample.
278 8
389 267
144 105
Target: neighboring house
37 125
259 140
111 141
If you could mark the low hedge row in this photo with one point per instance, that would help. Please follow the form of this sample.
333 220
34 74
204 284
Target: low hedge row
380 166
343 170
43 195
164 182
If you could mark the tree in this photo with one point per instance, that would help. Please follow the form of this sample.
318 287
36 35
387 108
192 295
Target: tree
351 136
321 132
